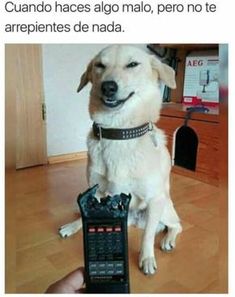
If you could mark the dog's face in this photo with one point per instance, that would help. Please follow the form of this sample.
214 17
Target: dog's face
121 73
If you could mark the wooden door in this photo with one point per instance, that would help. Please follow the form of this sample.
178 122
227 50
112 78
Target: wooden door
25 86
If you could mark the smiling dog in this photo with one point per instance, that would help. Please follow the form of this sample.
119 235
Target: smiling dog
127 152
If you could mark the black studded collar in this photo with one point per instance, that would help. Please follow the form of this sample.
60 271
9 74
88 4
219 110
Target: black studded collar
121 134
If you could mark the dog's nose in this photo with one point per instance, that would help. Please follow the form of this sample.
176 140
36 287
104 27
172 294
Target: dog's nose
109 88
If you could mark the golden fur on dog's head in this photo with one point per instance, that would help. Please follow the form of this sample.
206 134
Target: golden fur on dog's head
131 75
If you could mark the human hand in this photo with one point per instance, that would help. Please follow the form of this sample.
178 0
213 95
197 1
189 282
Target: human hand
71 283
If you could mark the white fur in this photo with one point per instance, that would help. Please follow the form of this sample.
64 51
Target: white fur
139 166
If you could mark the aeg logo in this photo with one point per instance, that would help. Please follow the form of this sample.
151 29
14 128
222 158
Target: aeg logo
194 63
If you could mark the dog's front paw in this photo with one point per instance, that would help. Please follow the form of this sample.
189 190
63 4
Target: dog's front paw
70 229
148 265
167 244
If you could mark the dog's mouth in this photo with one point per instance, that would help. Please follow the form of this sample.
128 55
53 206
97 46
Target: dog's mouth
112 102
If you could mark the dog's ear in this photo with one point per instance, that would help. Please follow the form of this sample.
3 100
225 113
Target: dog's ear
163 72
86 77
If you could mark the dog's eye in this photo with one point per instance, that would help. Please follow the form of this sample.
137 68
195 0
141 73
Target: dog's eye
100 65
132 65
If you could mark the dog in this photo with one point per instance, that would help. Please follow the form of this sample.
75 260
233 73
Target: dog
126 151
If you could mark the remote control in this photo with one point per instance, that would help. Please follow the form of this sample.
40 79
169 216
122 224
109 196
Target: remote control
105 242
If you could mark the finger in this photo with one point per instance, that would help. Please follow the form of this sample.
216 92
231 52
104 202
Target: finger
81 291
75 279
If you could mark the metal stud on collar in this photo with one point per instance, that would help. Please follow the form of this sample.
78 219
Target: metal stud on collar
150 126
100 131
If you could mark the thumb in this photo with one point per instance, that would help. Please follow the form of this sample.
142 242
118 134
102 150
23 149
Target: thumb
75 278
71 283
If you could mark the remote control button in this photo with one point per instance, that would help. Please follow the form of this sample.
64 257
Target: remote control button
91 246
100 237
92 265
91 249
119 264
110 272
114 205
91 235
109 235
102 265
117 236
100 240
117 229
92 257
119 271
118 241
91 230
109 242
110 265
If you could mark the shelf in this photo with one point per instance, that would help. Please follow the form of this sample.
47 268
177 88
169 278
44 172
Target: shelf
182 50
178 110
190 46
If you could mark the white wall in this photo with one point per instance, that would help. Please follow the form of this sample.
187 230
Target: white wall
68 121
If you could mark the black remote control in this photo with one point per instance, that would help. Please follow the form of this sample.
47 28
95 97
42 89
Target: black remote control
105 242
